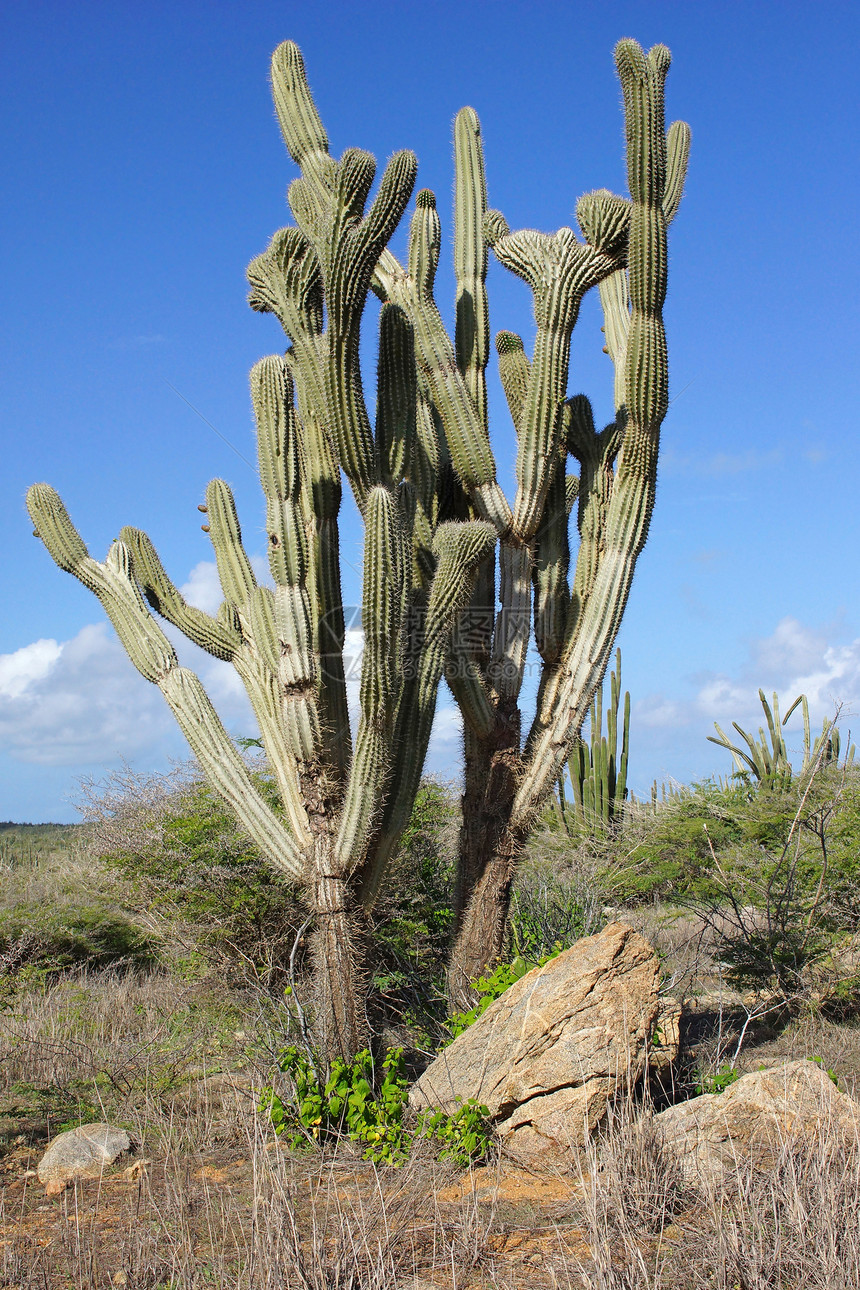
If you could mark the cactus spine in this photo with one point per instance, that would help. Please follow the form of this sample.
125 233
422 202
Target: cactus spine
437 524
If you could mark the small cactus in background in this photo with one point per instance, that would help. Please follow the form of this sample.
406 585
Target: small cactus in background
766 759
437 524
597 770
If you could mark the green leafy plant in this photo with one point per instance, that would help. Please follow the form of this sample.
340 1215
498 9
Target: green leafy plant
492 986
345 1101
463 1136
834 1078
723 1077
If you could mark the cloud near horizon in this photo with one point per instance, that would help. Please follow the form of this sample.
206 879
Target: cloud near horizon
795 659
80 702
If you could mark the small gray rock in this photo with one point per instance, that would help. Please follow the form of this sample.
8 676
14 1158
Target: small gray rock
80 1153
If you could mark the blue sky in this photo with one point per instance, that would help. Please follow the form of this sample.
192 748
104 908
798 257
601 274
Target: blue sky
144 169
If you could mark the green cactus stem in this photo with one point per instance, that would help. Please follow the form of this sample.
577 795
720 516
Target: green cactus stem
597 770
766 759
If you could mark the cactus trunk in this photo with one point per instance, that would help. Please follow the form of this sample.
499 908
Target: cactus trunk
337 957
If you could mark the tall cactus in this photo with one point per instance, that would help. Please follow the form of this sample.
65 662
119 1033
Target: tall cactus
436 522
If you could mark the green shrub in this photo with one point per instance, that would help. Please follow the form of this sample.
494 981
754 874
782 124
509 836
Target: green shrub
414 917
344 1101
198 874
37 941
551 910
781 902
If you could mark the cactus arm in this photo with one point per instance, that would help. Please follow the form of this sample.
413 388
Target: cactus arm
740 758
225 769
514 371
513 622
397 396
614 290
677 158
303 131
281 622
471 651
759 751
386 584
596 485
647 386
279 734
217 636
472 332
559 271
460 549
615 301
426 459
348 252
551 591
466 683
579 671
628 514
322 503
115 585
286 280
464 432
621 779
234 568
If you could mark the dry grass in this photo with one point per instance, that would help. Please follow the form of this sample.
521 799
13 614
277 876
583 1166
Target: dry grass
249 1216
213 1200
219 1202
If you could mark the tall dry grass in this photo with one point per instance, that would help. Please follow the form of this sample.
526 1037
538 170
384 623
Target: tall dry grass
237 1211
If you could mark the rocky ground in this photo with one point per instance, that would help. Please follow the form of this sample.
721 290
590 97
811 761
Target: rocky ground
694 1195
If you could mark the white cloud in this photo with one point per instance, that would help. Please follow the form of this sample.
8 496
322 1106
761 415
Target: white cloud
793 659
835 678
790 650
81 702
203 590
28 664
658 711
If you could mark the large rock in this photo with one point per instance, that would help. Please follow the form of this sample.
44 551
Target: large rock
547 1056
84 1152
755 1118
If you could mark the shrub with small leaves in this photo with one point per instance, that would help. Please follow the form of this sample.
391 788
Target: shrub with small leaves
493 986
344 1101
